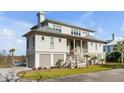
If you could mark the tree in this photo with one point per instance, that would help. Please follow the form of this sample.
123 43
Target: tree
23 58
86 56
1 57
12 53
94 58
120 48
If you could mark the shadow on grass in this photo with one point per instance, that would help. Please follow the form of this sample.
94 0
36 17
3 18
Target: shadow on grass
113 65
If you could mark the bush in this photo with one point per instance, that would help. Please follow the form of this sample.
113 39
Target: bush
44 68
39 68
53 67
113 57
33 68
59 63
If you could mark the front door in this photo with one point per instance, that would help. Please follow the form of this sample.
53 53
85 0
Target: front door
71 45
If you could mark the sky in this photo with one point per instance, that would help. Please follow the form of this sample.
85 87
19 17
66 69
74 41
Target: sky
15 24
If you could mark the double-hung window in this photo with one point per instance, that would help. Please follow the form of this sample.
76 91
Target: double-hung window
52 43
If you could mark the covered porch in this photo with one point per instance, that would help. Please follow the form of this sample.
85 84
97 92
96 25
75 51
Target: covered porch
77 46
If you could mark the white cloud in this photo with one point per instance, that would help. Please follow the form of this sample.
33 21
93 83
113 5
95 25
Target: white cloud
122 27
11 32
87 14
20 41
100 30
6 33
17 22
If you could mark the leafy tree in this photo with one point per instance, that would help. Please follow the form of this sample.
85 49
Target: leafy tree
120 48
113 57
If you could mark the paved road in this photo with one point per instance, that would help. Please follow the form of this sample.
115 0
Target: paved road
15 70
115 75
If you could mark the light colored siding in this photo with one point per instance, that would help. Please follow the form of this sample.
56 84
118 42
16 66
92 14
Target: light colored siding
57 57
45 60
44 45
67 30
92 48
31 61
30 49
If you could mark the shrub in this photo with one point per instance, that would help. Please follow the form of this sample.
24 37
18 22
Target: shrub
44 68
113 57
53 67
59 63
33 68
39 68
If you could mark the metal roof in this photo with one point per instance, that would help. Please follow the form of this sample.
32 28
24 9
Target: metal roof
63 23
68 24
48 30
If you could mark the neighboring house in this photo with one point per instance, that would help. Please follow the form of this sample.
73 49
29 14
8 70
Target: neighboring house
109 47
53 41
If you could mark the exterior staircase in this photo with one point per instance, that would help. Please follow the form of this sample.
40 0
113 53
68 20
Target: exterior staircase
75 60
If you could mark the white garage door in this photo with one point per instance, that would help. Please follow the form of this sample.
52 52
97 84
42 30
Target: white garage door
45 60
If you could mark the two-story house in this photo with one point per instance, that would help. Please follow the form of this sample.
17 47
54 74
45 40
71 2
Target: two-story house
51 41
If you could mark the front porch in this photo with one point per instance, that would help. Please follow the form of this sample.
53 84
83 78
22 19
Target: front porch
77 46
79 56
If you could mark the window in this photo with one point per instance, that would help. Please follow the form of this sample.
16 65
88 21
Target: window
33 41
57 27
72 32
79 33
91 43
96 46
108 48
27 43
51 43
59 40
99 44
42 37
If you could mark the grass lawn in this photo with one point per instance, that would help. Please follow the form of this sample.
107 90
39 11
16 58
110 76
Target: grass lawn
55 73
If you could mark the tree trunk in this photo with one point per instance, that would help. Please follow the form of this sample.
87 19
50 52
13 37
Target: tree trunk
122 57
12 57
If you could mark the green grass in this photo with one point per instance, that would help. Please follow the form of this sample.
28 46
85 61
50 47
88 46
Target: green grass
55 73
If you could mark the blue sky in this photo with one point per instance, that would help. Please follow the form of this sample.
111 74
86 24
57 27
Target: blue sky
14 24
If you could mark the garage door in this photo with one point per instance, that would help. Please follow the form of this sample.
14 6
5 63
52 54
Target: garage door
31 61
45 60
57 57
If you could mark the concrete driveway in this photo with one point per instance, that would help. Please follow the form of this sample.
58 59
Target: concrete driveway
115 75
15 70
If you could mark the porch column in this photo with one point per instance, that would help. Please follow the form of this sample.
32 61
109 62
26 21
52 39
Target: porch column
81 44
74 44
81 48
52 63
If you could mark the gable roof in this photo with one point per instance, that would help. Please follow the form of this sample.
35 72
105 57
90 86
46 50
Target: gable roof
49 31
114 42
65 24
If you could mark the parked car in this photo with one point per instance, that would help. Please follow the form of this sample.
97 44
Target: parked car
17 63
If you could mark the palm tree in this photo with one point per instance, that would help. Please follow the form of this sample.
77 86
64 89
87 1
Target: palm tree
12 53
94 58
102 60
86 56
120 48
